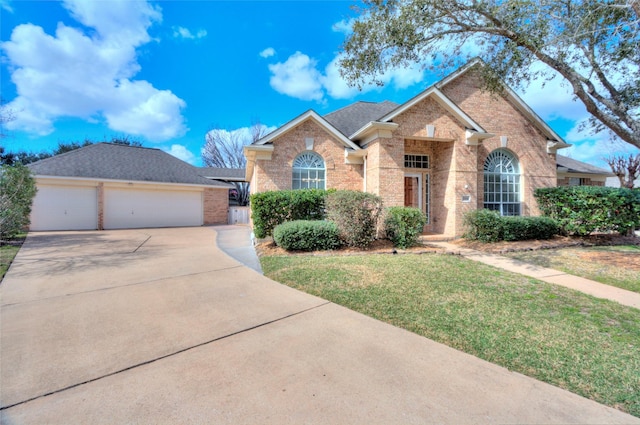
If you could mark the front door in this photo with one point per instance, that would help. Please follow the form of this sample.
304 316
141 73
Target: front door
412 191
414 194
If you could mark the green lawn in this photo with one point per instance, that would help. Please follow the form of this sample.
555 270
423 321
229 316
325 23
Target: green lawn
8 251
611 265
588 346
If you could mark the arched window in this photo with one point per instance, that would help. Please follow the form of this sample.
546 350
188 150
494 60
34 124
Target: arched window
308 171
502 183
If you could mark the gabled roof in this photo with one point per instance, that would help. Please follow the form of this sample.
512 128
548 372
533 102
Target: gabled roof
351 118
310 114
215 173
519 104
570 165
121 162
434 93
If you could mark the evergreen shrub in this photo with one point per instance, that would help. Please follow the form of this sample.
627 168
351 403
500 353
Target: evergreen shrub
307 235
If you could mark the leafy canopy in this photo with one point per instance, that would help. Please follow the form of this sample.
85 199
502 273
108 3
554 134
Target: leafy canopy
593 44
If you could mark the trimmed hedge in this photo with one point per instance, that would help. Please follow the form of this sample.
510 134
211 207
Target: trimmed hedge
489 226
307 235
356 215
582 210
403 225
269 209
526 228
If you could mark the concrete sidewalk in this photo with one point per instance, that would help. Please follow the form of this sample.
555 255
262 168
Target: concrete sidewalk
596 289
161 326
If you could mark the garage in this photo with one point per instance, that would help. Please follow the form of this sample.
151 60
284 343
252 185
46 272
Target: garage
130 209
64 207
113 186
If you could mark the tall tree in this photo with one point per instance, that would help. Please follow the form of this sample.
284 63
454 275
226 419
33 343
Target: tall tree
593 44
627 169
224 149
27 157
6 115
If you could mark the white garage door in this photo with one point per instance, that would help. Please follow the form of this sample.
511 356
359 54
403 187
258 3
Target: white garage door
130 209
64 208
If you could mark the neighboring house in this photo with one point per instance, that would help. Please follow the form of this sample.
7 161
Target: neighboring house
575 173
452 149
111 186
227 175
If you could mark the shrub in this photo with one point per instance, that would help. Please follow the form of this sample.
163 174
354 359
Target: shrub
525 228
356 215
307 235
489 226
403 225
582 210
17 190
483 225
269 209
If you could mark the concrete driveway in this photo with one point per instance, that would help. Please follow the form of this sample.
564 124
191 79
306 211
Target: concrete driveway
161 326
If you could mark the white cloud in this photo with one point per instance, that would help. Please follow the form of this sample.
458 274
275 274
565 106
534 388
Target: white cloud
552 99
268 52
344 26
297 77
182 32
593 148
90 75
6 5
181 152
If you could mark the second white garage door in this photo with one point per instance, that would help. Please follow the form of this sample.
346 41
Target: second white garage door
129 209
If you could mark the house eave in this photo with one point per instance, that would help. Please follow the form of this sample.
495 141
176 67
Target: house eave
254 153
354 156
554 145
44 179
443 101
373 130
474 138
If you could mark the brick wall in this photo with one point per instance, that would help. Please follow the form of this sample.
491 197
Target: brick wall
456 169
215 206
443 163
276 174
100 195
586 181
498 116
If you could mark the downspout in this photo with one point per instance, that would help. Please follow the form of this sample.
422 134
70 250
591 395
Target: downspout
364 174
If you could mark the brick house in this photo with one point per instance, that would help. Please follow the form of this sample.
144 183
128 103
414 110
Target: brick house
576 173
449 150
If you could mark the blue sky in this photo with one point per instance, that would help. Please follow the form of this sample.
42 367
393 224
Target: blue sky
166 72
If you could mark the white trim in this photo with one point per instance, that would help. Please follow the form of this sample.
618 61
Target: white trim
443 101
420 178
520 105
54 180
354 157
310 114
474 138
378 129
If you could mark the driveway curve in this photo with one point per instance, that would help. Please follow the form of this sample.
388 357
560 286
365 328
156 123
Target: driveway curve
161 326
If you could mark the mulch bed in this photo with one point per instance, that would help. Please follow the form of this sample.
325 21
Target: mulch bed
384 246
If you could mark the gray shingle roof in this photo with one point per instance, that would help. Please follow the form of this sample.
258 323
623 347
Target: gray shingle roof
120 162
351 118
232 174
575 166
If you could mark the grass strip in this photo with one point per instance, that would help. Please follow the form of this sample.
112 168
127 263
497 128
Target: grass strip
574 341
593 263
7 254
